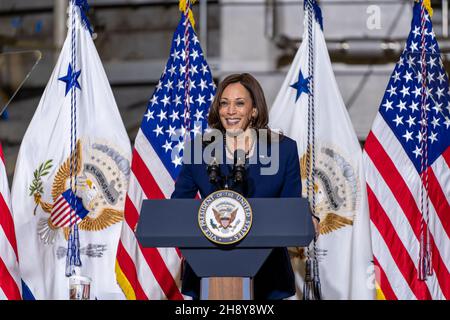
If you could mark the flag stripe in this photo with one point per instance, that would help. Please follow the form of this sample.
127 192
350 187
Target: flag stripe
156 263
9 257
6 222
446 156
60 203
398 251
413 182
179 253
398 283
7 283
396 247
62 214
172 259
442 173
154 165
134 199
148 282
407 202
439 201
161 272
70 220
9 268
153 257
395 214
395 181
132 215
128 268
145 178
135 192
64 218
58 213
384 282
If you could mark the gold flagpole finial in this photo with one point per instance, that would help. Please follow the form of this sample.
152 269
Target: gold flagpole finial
427 5
183 5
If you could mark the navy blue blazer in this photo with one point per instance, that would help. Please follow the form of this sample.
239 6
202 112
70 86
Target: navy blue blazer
275 280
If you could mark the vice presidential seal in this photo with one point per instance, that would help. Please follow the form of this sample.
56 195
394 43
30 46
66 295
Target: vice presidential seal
225 217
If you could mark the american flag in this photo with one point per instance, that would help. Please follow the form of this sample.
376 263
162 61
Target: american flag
407 158
178 109
10 282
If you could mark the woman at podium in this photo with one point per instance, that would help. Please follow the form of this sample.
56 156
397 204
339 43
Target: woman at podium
239 110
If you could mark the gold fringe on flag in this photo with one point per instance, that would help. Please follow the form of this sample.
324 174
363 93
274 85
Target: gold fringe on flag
124 284
182 6
379 292
427 4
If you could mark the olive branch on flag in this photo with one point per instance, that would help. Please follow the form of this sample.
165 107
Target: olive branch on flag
36 187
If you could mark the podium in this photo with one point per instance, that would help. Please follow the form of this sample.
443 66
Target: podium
277 222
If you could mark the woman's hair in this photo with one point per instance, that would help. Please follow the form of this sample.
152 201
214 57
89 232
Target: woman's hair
258 100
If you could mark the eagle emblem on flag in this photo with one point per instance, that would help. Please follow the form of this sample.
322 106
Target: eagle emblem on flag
336 188
92 202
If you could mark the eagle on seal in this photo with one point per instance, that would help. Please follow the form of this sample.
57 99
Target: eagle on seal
225 219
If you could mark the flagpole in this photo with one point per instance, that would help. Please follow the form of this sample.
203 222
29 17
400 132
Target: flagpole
72 244
312 287
445 18
425 261
60 25
204 25
187 16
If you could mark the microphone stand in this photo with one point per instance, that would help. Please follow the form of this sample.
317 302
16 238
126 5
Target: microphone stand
239 174
215 177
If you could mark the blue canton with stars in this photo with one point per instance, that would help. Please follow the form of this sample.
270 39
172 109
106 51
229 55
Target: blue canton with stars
302 85
401 105
71 79
164 121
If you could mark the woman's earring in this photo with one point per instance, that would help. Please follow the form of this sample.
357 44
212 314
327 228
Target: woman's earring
255 114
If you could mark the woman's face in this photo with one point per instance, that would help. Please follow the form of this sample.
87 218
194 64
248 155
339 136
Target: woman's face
236 108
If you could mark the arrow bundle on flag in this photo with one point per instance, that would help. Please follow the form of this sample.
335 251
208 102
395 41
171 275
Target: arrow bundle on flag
309 108
407 159
10 287
178 109
72 171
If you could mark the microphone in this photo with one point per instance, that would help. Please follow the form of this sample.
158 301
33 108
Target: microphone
239 166
213 172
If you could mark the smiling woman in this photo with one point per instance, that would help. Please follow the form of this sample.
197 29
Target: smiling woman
239 95
239 109
236 109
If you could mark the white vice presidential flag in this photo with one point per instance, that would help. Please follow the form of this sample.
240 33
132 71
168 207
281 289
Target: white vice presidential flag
344 247
43 171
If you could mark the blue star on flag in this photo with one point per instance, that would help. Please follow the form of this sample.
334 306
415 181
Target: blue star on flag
71 79
302 85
